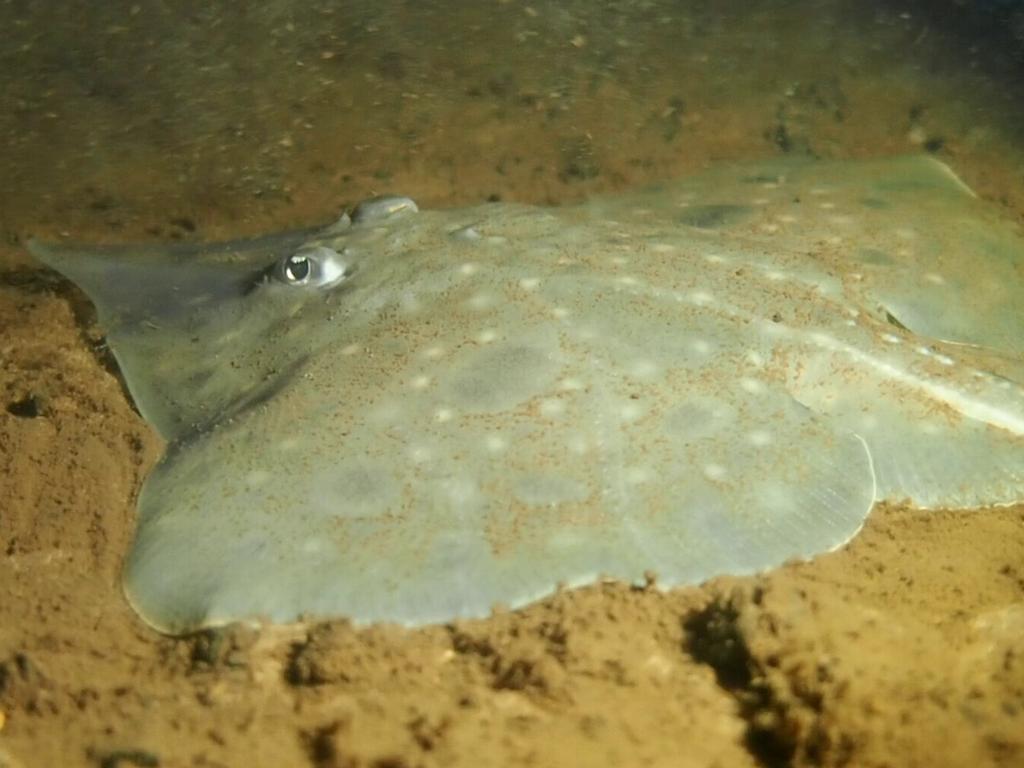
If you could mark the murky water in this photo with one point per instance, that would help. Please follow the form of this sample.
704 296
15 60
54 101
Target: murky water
125 120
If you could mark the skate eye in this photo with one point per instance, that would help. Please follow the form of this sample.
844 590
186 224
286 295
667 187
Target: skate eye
317 267
296 269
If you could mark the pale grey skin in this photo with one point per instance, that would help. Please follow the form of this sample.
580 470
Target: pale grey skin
454 409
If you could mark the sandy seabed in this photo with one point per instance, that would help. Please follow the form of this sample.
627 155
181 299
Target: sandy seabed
904 648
